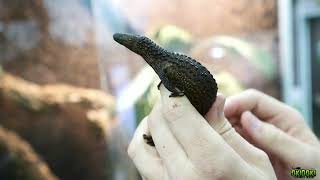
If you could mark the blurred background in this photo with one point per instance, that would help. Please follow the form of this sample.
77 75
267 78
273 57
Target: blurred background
71 98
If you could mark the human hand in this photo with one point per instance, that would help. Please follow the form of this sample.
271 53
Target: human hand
188 147
275 128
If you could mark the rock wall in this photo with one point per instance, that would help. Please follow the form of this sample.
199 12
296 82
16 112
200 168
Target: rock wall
67 126
49 42
19 161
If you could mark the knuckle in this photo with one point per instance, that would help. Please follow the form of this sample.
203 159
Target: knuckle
253 92
270 131
225 128
214 164
221 170
292 111
296 113
262 156
131 150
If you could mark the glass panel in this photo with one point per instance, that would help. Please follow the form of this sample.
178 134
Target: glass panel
74 96
315 58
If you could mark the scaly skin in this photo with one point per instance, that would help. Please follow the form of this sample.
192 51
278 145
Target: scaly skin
179 73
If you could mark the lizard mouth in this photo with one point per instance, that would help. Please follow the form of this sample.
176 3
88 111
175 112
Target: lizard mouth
126 40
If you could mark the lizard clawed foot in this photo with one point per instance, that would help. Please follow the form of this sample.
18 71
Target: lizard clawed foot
176 94
148 139
158 86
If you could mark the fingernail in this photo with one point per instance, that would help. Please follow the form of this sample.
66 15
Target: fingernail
254 122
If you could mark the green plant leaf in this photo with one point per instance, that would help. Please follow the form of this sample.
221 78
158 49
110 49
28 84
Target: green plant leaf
260 58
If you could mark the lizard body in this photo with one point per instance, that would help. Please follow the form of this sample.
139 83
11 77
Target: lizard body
180 74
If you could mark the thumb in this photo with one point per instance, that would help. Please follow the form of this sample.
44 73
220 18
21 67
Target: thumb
273 140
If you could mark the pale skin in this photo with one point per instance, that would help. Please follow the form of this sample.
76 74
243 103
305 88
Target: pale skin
189 146
275 128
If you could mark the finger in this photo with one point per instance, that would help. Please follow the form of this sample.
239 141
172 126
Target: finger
272 111
265 107
219 123
166 144
215 114
192 131
234 121
273 140
145 157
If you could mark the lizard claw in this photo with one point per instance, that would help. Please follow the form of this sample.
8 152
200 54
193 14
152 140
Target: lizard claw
148 139
158 86
177 94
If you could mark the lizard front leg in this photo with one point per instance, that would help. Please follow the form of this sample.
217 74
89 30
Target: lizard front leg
176 93
170 81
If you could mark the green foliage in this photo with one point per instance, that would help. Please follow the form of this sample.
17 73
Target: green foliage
173 38
228 84
146 101
260 58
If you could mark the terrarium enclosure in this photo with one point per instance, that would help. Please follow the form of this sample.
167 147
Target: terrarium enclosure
71 97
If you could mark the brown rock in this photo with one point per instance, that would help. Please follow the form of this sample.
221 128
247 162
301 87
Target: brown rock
51 45
57 121
19 161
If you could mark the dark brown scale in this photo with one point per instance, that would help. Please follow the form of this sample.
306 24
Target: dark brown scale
179 73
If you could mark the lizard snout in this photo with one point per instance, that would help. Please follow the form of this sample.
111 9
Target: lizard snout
126 40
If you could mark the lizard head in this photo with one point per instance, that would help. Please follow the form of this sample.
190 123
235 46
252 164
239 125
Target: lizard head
129 41
139 44
142 46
